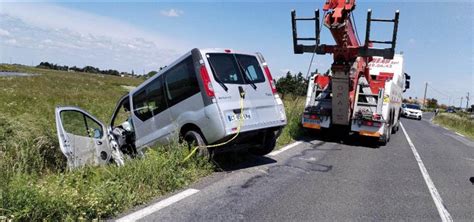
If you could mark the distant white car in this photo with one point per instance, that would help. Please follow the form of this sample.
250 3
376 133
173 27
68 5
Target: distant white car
412 111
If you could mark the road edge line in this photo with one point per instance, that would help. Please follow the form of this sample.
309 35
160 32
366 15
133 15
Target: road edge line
443 212
157 206
285 148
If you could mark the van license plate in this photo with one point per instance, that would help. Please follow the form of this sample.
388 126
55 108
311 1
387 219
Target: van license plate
233 117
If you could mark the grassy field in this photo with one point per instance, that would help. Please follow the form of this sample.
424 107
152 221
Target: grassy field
458 122
34 184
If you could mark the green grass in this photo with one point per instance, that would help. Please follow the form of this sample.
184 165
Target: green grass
294 107
458 122
34 184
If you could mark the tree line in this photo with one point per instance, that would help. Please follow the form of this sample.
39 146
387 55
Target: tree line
88 69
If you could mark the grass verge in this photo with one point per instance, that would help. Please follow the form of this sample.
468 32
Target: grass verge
460 123
294 106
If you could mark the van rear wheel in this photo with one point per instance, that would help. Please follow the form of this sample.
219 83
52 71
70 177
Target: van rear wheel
267 146
193 140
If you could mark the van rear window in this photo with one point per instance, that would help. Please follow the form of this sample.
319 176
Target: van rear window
227 68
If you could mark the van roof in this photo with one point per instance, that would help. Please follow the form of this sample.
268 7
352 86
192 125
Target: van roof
188 53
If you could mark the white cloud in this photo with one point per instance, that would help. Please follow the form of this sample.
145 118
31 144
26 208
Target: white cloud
171 12
73 37
4 33
11 42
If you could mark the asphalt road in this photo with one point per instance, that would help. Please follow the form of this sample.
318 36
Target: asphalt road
332 181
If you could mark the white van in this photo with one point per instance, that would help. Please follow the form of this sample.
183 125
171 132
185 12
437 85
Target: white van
196 98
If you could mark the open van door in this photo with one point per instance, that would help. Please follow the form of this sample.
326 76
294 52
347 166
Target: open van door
82 137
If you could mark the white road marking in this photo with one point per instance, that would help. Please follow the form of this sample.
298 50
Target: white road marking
443 212
157 206
287 147
459 134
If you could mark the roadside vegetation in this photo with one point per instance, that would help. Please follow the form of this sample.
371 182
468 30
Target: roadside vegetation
460 122
294 106
35 184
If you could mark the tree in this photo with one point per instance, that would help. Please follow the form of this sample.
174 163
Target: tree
292 84
150 74
432 103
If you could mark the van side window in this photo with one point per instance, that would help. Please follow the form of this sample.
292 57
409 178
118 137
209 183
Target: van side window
150 100
181 82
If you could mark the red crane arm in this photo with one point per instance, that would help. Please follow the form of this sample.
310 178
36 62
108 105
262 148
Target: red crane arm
339 23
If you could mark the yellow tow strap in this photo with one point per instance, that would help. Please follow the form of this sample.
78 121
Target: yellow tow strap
241 121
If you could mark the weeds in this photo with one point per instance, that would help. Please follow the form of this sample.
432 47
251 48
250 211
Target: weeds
461 123
294 106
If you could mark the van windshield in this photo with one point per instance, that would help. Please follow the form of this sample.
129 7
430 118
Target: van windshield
225 68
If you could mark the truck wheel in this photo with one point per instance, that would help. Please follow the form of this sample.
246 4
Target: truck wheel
194 139
267 146
395 128
384 139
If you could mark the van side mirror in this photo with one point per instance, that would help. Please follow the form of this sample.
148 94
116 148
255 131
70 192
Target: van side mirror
407 82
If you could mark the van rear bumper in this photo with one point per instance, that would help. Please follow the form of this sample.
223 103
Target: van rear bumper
252 137
262 126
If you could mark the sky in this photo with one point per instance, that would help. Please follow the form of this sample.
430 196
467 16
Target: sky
435 37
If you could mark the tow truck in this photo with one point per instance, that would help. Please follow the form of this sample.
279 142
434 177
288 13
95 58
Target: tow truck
363 90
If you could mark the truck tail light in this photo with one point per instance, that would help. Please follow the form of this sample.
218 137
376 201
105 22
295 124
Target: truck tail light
270 79
207 81
371 123
376 116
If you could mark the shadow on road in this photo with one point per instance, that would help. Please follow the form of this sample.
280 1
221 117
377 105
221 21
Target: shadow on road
239 159
340 136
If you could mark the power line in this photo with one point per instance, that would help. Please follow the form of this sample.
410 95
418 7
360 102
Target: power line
439 92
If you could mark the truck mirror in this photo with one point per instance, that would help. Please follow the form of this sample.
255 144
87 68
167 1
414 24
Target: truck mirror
407 77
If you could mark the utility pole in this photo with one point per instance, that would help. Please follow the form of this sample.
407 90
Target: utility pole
467 102
460 106
424 97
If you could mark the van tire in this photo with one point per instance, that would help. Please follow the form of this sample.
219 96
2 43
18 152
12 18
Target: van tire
194 139
267 146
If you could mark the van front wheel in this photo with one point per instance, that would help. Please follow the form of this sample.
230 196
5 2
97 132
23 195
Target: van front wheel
194 139
267 146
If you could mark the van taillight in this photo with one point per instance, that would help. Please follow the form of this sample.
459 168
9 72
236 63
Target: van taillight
270 79
207 81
